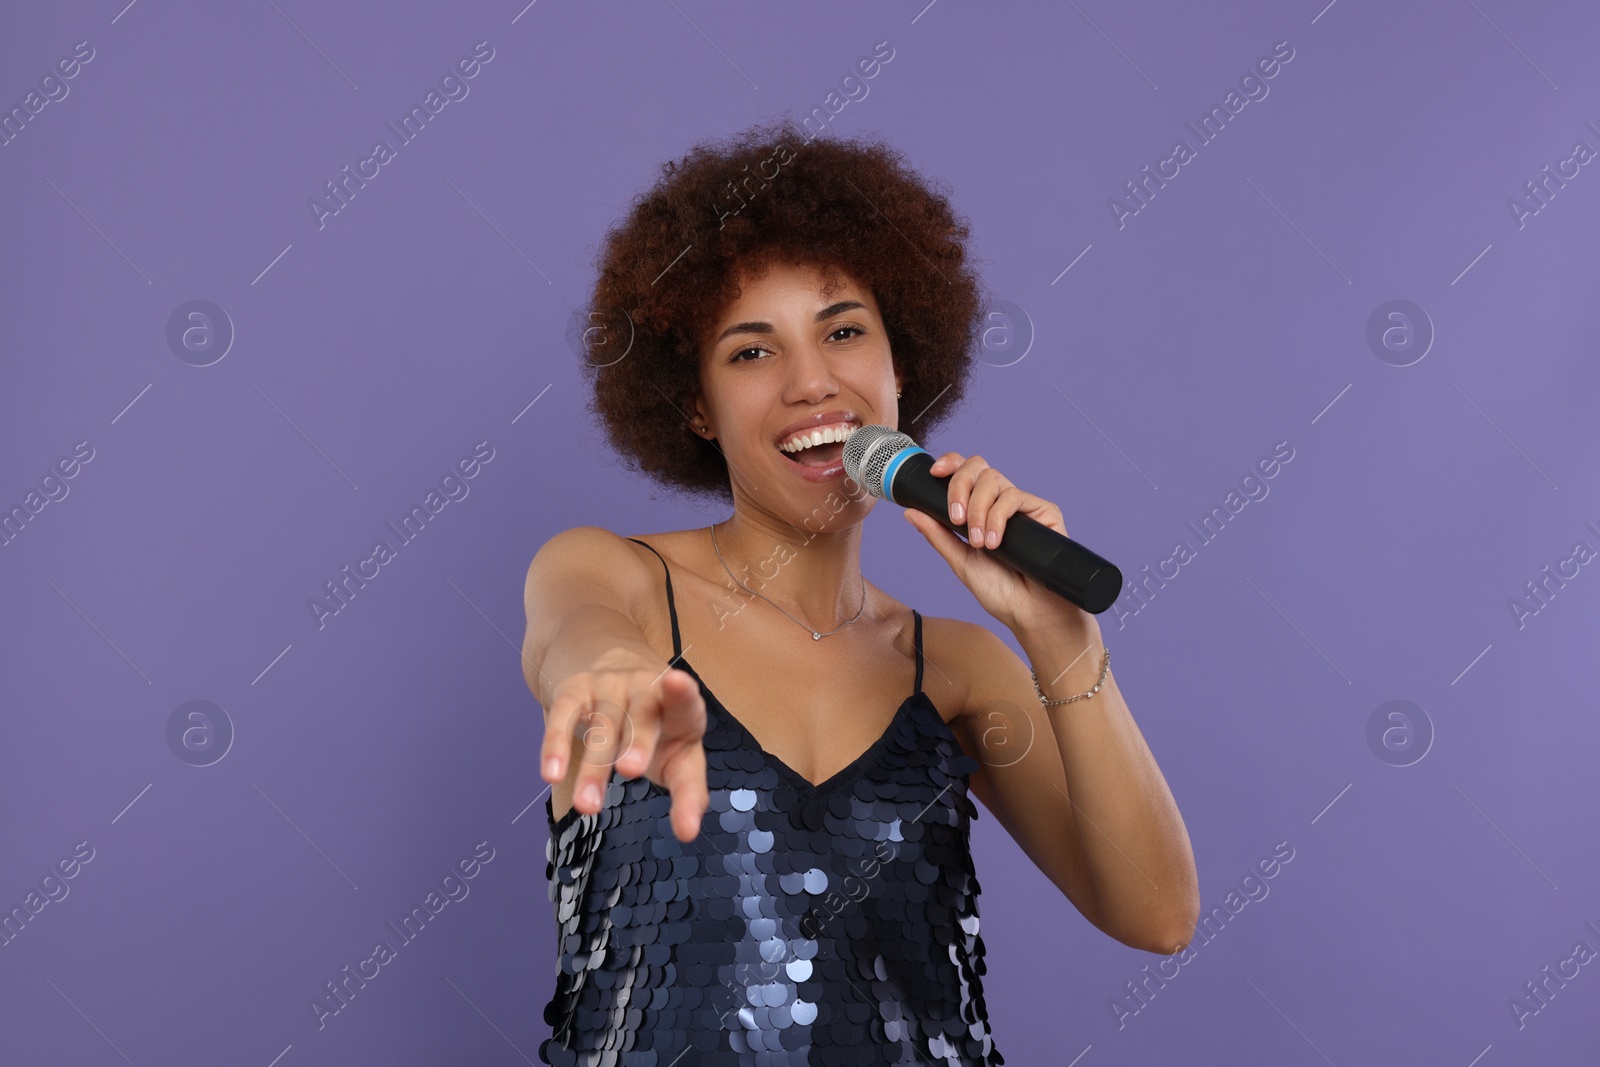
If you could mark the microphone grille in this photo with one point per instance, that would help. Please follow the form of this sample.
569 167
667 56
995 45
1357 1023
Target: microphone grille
868 452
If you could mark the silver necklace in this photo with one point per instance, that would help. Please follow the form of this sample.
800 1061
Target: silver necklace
815 636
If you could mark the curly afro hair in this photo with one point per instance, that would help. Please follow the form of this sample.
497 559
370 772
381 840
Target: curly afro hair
772 193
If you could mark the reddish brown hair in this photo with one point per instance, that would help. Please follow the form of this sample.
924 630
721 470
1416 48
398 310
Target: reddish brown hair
667 271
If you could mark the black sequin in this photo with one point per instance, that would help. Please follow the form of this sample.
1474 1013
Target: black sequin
835 924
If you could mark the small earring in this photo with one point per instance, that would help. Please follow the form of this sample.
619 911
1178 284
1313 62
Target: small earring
897 395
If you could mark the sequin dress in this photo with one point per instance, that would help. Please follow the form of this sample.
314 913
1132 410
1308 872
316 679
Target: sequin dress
827 924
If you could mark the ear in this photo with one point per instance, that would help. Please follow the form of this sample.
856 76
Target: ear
697 418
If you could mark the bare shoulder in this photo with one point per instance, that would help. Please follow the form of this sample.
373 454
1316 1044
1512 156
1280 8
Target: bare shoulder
586 561
955 652
584 542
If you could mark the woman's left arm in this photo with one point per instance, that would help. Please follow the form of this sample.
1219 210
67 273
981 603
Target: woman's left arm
1085 799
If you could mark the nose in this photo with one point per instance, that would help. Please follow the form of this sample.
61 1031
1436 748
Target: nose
811 375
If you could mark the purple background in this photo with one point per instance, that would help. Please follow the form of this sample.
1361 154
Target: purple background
1136 389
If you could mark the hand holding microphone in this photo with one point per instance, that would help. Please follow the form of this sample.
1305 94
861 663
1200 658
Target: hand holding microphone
1025 538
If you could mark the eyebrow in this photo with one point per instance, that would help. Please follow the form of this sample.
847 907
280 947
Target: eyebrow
766 327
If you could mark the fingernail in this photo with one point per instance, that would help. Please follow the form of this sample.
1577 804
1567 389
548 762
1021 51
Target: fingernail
552 767
957 512
976 536
994 538
591 794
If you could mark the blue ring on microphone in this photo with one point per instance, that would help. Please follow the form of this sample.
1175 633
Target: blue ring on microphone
894 465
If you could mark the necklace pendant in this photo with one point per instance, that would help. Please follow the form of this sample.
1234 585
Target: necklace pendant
815 636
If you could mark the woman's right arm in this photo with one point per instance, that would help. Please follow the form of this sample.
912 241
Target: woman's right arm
587 663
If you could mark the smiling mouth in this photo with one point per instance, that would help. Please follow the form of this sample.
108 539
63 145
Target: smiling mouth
819 456
823 453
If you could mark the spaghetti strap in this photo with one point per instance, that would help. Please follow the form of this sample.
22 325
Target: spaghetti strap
677 643
916 615
677 640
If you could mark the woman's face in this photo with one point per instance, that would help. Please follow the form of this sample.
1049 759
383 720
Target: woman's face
787 355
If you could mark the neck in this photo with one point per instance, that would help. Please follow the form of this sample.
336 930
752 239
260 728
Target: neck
815 576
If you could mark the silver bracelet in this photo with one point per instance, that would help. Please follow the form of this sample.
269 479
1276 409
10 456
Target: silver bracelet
1104 667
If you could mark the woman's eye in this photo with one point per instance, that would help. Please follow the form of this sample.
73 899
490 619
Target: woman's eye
736 357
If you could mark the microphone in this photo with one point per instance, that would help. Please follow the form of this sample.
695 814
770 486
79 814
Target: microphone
891 466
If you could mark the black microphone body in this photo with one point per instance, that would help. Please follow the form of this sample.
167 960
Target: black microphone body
891 462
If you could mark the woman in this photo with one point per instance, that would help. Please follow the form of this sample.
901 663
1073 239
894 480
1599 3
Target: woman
763 857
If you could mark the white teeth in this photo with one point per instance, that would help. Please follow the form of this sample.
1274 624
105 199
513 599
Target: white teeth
825 435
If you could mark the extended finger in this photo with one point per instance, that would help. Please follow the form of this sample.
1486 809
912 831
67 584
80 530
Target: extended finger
685 775
601 726
644 721
642 732
681 754
555 752
683 709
